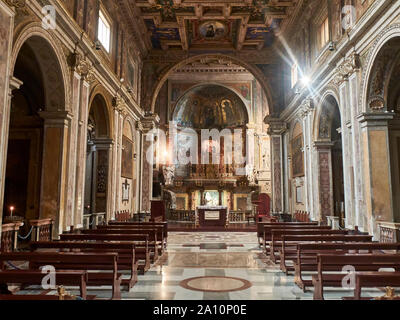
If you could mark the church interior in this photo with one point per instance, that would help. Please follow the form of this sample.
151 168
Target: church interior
200 150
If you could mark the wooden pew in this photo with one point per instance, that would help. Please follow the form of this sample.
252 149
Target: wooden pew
373 280
277 235
154 243
164 226
290 251
161 234
261 225
267 235
33 297
127 259
306 259
74 261
141 242
360 262
35 277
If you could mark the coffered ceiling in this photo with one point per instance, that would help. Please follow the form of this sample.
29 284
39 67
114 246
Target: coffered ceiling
209 25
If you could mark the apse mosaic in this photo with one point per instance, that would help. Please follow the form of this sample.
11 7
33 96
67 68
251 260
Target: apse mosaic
210 106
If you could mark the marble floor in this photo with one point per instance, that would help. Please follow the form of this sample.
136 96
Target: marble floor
216 266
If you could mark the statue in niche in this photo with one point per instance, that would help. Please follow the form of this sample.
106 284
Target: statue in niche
324 126
251 174
227 110
169 175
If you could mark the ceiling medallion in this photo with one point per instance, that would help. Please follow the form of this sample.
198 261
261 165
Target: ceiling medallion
213 30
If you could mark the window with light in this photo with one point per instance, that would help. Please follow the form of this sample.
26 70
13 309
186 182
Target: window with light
104 31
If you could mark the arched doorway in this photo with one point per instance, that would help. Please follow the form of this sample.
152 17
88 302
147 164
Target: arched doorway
330 160
37 135
97 158
381 132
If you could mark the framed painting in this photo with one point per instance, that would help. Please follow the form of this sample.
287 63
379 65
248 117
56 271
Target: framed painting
127 158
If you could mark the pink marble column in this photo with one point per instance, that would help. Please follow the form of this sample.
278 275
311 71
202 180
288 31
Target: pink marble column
276 130
325 179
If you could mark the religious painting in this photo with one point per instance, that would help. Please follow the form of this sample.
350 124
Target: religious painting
127 158
161 34
213 30
298 156
261 33
211 198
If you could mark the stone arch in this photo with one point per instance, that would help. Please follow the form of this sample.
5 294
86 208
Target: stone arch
377 101
329 153
255 71
329 93
52 62
98 92
244 107
245 102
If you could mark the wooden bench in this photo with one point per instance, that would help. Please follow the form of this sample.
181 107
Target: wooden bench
35 277
97 262
267 235
360 262
127 259
306 259
155 243
277 235
141 242
159 228
261 225
289 248
373 280
163 225
33 297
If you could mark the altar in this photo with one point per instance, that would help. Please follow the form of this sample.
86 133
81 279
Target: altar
212 216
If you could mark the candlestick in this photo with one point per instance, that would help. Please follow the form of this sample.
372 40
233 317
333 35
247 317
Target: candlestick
11 210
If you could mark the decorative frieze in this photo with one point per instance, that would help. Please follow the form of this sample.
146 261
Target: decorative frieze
276 126
350 65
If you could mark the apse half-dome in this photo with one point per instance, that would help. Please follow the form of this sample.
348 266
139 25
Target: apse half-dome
210 106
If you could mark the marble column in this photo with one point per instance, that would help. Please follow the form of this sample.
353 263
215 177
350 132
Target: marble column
54 167
139 165
347 152
307 108
69 211
346 78
115 189
359 203
149 123
276 130
81 152
325 179
7 15
376 166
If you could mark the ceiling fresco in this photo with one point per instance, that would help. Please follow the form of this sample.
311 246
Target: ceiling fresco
205 24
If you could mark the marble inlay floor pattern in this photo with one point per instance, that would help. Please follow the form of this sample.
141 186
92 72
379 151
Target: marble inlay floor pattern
192 259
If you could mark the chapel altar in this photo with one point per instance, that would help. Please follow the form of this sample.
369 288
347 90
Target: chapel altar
212 216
